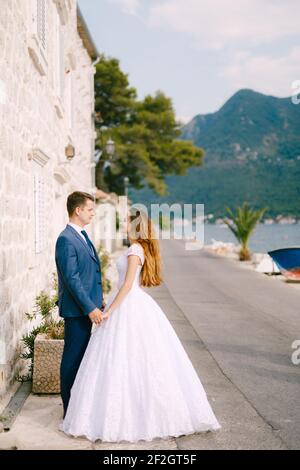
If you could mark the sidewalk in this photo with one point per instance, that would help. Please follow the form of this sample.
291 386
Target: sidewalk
243 427
36 427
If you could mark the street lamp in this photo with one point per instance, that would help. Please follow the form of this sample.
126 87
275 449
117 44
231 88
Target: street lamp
126 183
110 148
107 149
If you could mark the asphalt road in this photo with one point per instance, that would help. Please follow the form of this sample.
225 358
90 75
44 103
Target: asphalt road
238 327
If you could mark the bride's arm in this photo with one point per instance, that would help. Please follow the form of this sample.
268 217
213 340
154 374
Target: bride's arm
133 262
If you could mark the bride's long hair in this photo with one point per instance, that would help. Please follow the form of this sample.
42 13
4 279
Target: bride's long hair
142 231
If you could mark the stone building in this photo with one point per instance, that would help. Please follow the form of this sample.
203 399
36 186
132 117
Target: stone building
46 150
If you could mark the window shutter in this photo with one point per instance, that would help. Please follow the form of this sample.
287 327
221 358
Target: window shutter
61 60
41 22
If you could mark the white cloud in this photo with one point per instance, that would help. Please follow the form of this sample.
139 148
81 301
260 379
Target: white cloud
128 6
240 32
250 41
218 23
270 75
184 119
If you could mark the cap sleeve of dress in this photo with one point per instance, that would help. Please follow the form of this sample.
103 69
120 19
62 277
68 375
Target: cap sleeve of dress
136 249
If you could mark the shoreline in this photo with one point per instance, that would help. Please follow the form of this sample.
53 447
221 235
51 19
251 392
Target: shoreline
230 251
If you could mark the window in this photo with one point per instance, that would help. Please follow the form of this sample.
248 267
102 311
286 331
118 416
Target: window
41 22
59 60
37 39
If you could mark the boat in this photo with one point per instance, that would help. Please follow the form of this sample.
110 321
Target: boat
288 261
265 264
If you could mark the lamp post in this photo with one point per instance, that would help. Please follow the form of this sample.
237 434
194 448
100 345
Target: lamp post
126 183
106 148
110 148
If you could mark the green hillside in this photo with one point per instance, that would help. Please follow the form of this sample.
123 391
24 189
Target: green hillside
252 147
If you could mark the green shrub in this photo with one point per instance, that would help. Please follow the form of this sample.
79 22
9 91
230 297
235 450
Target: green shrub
105 264
44 307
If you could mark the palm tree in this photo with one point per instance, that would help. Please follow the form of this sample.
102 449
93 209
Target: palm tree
242 225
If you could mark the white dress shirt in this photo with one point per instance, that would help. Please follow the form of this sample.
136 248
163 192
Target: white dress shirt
78 229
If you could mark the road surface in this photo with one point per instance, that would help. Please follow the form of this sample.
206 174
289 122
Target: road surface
238 327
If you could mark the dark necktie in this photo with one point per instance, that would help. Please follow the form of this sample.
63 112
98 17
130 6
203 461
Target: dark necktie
88 241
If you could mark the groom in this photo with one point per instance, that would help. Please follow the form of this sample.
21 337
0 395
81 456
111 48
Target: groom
80 295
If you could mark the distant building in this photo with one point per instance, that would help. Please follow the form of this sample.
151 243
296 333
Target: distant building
46 150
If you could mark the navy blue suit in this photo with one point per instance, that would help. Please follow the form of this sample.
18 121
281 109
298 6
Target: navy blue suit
79 293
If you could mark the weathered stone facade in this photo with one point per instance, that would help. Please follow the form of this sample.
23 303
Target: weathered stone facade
46 104
47 358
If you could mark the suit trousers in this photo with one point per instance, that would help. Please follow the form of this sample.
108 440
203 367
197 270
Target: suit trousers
77 335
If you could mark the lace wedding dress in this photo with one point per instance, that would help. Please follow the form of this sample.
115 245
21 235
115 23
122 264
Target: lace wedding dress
136 382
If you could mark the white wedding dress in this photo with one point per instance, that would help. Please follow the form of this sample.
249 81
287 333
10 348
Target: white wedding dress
136 382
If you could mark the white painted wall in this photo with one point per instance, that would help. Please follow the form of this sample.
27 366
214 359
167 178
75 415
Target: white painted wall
46 102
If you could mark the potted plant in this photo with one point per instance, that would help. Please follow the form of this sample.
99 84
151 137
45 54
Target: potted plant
45 342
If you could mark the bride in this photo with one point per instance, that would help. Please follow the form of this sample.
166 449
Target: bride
136 382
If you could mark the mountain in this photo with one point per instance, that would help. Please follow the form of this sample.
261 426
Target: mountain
252 146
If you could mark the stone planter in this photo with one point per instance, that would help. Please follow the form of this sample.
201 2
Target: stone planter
46 365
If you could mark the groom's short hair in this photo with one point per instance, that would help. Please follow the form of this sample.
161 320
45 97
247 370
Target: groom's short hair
77 199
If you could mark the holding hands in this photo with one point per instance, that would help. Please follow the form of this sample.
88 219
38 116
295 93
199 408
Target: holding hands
108 311
107 314
96 316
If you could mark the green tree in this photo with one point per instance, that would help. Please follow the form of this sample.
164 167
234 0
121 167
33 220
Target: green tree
242 224
146 134
114 98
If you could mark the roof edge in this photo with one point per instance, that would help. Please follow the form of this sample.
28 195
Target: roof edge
86 36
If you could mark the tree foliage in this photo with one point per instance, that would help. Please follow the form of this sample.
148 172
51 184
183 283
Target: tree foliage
242 225
146 134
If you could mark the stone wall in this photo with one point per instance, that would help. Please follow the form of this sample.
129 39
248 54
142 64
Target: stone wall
47 359
46 103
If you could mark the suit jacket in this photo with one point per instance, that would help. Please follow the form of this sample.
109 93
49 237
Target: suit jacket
79 275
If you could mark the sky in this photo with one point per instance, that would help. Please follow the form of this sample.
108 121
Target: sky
200 52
